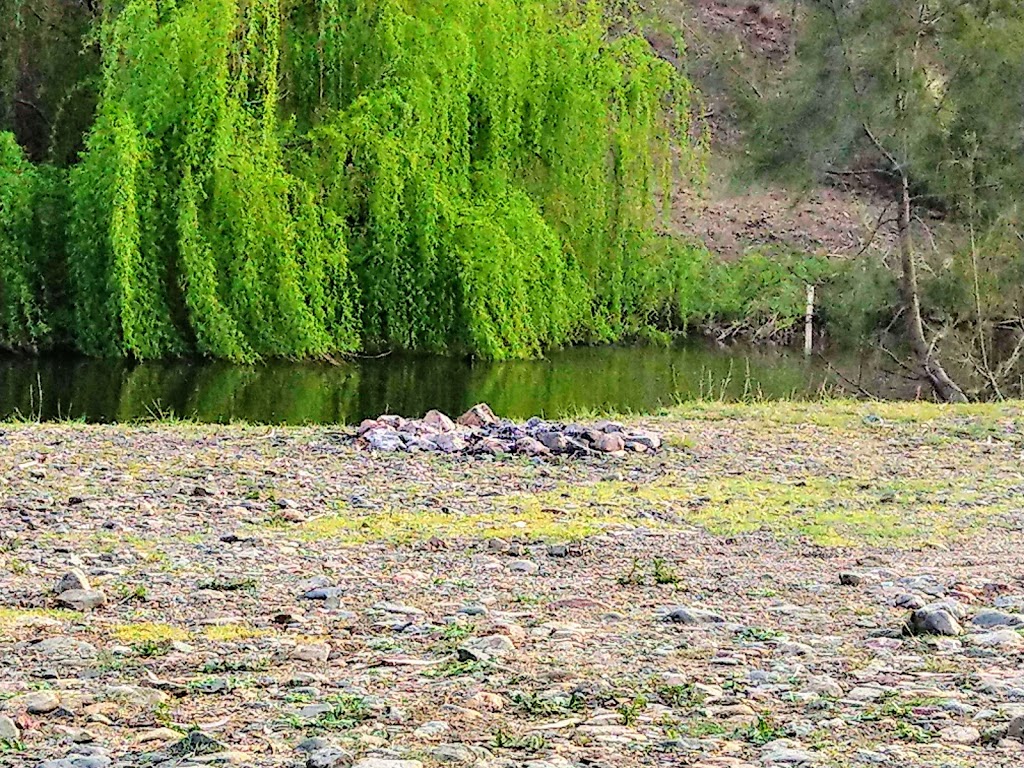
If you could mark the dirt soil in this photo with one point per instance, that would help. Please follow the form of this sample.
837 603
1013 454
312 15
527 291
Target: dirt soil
279 597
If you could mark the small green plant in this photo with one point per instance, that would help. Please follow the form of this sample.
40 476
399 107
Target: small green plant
631 710
151 648
11 746
456 632
221 665
696 729
634 576
762 730
456 669
525 599
909 732
664 573
532 743
347 711
502 740
757 634
533 705
681 696
229 585
131 592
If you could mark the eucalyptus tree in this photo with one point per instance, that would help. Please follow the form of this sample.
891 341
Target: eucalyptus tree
924 98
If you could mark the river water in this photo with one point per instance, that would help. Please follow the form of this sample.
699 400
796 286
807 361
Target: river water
625 379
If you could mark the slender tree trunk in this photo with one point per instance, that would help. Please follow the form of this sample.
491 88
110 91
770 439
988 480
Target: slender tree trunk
931 368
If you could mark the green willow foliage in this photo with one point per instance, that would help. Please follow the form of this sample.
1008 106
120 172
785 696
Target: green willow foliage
306 178
188 231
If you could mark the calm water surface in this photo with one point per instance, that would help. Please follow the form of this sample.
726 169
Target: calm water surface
584 378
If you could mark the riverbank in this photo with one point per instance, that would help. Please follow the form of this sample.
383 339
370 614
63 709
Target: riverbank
268 586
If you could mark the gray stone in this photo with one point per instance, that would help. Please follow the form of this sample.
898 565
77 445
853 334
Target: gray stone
315 652
480 415
398 608
685 615
431 729
609 442
1003 638
438 422
786 752
9 730
312 744
528 446
851 579
647 440
1015 730
453 753
92 761
524 566
135 695
492 446
82 599
908 601
555 442
73 579
65 648
960 734
823 685
484 648
378 762
449 442
384 439
323 593
933 620
41 702
990 619
329 757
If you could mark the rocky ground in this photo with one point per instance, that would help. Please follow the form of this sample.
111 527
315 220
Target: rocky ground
284 597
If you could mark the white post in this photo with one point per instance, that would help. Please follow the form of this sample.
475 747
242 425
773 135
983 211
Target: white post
809 322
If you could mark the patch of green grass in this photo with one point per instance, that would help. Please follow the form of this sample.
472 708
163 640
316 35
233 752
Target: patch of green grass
850 414
146 632
829 511
347 711
151 648
531 743
230 633
456 669
456 632
518 517
757 634
634 576
533 705
909 732
695 729
11 618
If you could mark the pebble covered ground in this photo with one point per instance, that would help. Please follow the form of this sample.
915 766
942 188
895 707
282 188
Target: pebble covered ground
784 585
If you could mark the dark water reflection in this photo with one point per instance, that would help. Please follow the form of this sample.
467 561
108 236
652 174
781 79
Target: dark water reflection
623 378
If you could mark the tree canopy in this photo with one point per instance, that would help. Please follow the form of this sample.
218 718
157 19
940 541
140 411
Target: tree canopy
306 178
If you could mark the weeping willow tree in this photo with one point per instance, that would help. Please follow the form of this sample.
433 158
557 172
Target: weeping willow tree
188 230
306 178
